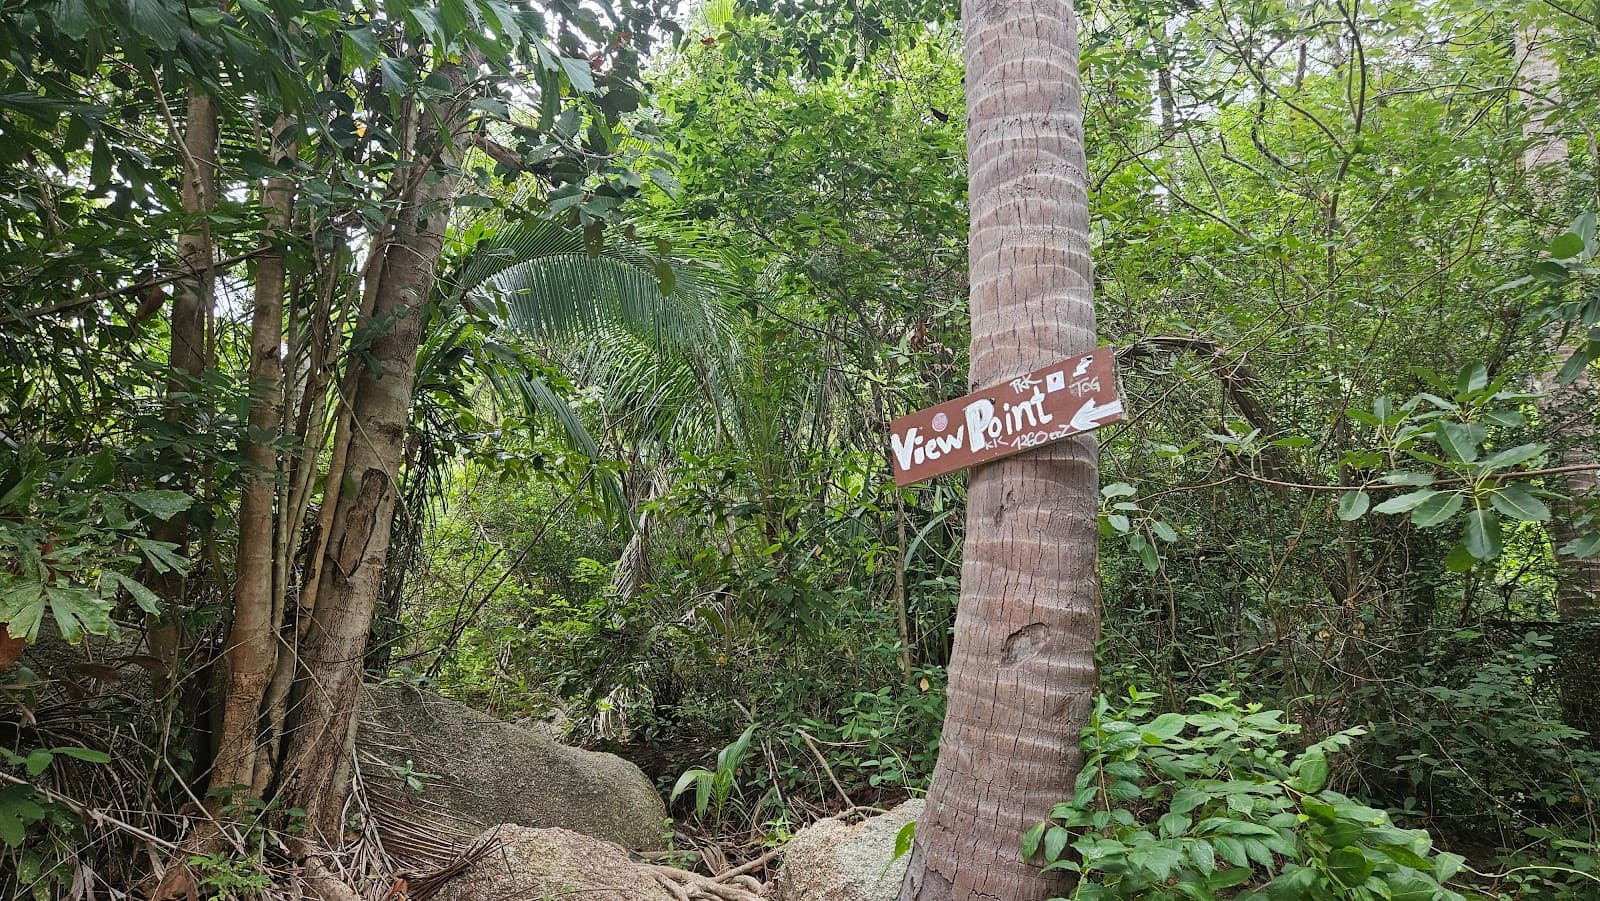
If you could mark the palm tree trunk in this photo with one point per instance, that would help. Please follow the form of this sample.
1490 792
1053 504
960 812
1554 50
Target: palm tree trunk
1022 673
315 769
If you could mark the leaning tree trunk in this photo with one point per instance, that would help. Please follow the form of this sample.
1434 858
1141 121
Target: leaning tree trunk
315 768
1569 408
1022 673
250 654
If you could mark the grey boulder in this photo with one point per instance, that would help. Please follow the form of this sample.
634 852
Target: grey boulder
523 864
832 860
477 772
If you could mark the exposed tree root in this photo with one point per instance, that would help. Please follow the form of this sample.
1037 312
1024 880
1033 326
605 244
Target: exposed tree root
686 886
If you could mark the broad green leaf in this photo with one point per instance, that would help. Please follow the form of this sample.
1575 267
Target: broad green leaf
1163 728
1512 456
1474 377
1055 842
1405 502
1437 509
1517 503
78 611
1173 825
38 761
1186 799
1582 546
160 503
147 600
1567 246
1456 441
1459 560
1482 535
579 74
1311 774
1350 866
1353 505
1203 855
1032 839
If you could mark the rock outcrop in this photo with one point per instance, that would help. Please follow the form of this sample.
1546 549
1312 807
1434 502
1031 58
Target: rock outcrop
832 860
525 864
478 772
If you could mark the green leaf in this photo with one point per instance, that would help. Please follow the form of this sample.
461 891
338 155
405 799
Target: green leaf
1311 773
1482 535
1437 509
1173 825
1156 859
1518 504
1231 850
361 45
1203 855
1353 505
160 555
1582 546
1032 839
1456 440
160 503
1405 502
1459 560
38 761
1567 246
579 74
1474 377
1402 477
1186 799
78 611
1055 842
1511 457
1163 728
87 755
904 839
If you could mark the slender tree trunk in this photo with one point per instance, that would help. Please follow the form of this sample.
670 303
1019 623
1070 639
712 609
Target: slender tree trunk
314 772
250 654
187 355
1569 408
1022 673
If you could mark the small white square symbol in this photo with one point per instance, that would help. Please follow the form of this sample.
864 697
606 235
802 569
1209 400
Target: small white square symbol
1055 381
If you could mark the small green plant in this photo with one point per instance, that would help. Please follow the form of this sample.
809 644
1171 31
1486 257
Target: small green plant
228 876
1206 805
713 789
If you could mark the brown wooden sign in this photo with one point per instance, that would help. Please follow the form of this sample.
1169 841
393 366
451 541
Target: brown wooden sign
1077 395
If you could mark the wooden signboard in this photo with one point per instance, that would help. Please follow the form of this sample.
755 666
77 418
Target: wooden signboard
1077 395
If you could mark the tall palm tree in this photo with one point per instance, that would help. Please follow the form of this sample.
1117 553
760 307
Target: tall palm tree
1022 672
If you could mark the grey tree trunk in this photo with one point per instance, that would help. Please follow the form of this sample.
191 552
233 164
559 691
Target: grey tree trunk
250 654
1569 408
314 772
1022 673
188 354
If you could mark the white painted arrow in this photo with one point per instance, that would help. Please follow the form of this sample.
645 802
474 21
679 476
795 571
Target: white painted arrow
1089 415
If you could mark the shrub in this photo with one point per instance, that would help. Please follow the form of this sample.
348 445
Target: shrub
1207 804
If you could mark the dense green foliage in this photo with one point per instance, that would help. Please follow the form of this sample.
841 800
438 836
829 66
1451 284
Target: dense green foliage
644 490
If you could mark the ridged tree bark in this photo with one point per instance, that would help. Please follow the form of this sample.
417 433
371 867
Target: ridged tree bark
250 654
1568 408
1022 673
315 768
